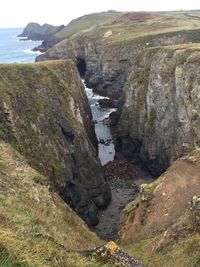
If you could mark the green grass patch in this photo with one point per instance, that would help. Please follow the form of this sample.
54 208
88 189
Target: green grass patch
7 261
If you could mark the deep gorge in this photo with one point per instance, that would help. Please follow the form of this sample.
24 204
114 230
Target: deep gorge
101 143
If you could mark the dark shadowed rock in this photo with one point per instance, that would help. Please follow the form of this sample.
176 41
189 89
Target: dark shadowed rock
107 103
48 120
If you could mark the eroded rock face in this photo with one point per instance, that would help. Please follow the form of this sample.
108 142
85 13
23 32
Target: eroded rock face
157 91
45 115
106 66
160 117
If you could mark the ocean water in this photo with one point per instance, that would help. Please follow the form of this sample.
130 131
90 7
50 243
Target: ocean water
14 51
102 129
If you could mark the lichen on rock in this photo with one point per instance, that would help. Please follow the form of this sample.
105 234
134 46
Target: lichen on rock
111 253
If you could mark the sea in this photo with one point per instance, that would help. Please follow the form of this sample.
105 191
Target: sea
12 50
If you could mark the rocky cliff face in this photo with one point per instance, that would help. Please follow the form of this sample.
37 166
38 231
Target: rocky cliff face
159 121
160 118
108 64
44 114
35 31
45 33
104 63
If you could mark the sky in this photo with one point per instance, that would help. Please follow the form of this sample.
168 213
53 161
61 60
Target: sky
18 13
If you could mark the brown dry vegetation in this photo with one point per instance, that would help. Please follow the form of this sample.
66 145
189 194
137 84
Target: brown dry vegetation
158 227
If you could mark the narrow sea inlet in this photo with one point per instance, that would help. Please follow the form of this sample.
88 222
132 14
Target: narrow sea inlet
101 119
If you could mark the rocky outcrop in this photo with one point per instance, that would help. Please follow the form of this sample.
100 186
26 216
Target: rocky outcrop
108 65
37 32
46 33
160 117
111 253
103 68
45 115
155 127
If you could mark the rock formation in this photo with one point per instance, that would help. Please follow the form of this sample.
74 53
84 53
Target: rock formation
46 33
155 127
45 115
36 32
160 118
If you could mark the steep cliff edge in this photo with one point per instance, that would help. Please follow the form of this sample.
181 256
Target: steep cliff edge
103 63
45 115
34 221
108 50
161 226
160 117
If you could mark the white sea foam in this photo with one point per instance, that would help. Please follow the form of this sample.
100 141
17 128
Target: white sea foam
29 51
99 97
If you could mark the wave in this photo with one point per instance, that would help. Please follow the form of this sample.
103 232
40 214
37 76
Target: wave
97 97
29 51
24 39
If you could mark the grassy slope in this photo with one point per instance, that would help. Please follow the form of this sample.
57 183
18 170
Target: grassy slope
180 244
131 26
27 210
137 26
86 22
183 254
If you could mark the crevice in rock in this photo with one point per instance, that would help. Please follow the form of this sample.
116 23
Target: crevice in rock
122 176
81 65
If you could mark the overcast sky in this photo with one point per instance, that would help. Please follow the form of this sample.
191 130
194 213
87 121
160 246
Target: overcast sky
15 13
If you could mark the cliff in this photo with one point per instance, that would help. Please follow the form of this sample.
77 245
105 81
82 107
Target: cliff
149 62
161 226
51 35
154 127
46 33
160 119
109 48
34 221
45 115
35 31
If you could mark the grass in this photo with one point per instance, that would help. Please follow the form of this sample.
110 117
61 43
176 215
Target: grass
7 261
165 244
85 23
184 254
134 27
29 214
169 24
39 179
28 92
193 153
